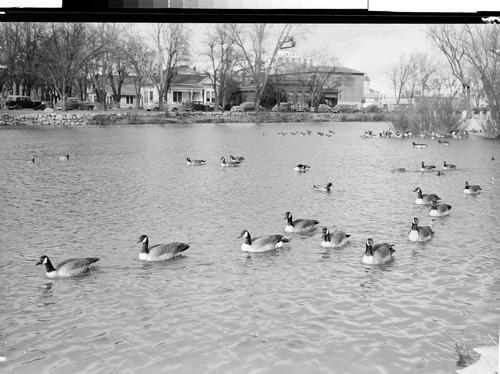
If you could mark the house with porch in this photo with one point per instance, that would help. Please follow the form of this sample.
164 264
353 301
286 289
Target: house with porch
186 84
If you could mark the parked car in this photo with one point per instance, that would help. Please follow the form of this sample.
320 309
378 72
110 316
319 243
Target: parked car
21 102
371 109
154 105
247 106
283 107
75 103
345 108
196 106
322 108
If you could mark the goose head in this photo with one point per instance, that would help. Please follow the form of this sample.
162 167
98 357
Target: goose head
245 234
42 260
143 239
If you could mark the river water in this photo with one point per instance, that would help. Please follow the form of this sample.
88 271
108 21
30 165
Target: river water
216 309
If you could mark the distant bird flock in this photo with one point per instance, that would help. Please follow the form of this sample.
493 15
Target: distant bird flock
374 253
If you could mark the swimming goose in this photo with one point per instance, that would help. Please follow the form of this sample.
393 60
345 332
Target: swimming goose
419 233
299 225
427 167
160 252
439 173
378 253
64 157
471 189
425 199
262 243
338 238
190 162
323 188
448 166
443 142
68 268
238 158
229 163
301 167
419 145
439 210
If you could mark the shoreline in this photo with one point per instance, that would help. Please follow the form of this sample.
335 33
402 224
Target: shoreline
29 117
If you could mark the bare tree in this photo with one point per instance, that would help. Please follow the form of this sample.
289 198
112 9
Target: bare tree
224 59
399 74
141 59
476 47
68 51
253 41
171 42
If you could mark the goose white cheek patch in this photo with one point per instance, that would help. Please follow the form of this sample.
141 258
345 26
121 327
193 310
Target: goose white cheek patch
145 239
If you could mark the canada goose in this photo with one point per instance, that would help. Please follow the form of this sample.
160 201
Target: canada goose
439 210
190 162
160 252
238 158
471 189
424 199
378 253
338 238
419 145
427 167
68 268
443 142
448 166
439 173
301 167
262 243
229 163
299 225
64 157
419 233
323 188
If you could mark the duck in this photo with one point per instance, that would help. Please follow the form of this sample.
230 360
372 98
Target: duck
427 167
68 268
301 167
419 145
443 142
229 163
263 243
439 210
448 166
326 188
62 158
377 254
299 225
472 189
425 199
419 233
190 162
160 252
338 238
237 158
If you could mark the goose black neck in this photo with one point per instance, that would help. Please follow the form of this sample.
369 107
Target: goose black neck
248 239
326 236
145 246
369 250
289 220
419 194
48 266
414 226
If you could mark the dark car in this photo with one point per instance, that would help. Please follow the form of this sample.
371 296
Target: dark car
23 102
196 105
345 108
75 103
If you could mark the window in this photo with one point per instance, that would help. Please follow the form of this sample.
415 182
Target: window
130 99
151 95
177 97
